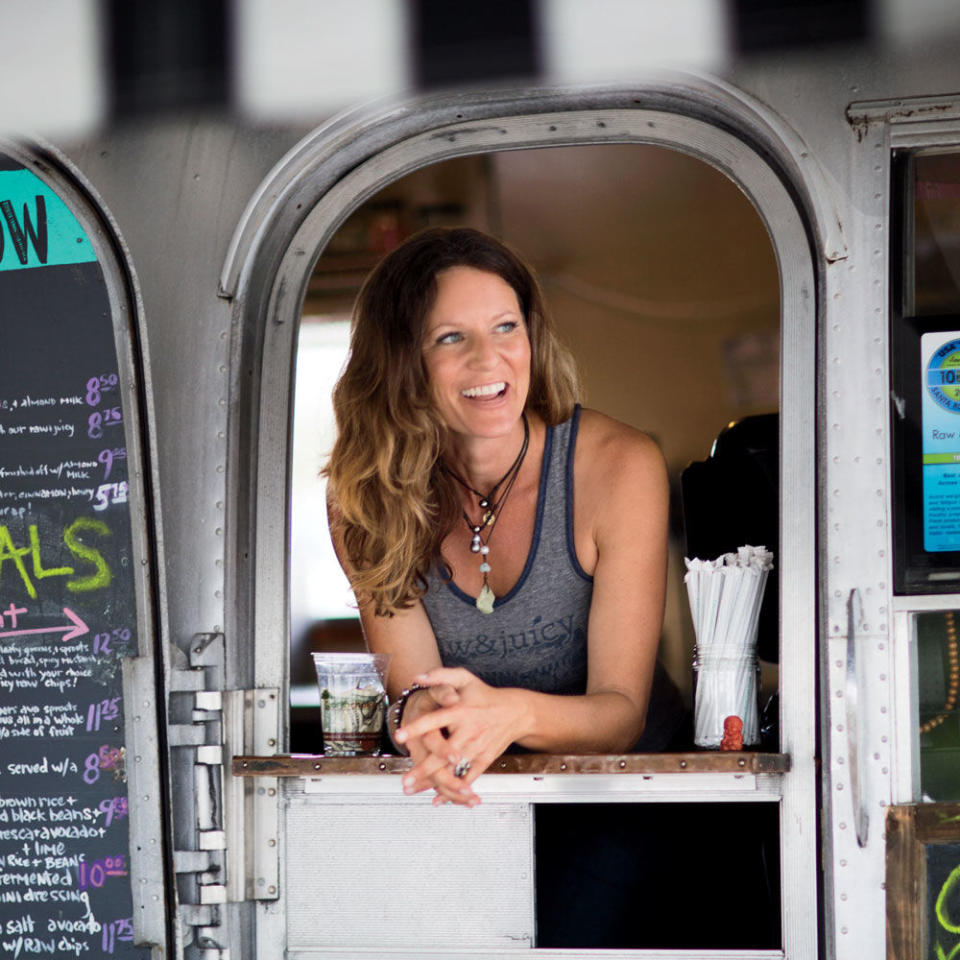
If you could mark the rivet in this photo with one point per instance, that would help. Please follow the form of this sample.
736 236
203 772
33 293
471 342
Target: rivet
382 766
272 792
271 889
683 764
245 764
563 766
622 764
741 762
271 842
316 766
271 742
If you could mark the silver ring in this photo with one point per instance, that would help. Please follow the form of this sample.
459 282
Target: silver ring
462 768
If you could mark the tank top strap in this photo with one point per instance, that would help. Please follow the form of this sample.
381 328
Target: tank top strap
555 536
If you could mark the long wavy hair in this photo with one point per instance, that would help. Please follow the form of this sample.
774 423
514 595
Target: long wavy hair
391 503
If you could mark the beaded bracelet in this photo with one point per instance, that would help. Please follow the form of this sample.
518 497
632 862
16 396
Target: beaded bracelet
395 713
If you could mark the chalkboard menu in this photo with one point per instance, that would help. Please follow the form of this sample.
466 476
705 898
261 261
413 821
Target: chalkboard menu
67 600
923 882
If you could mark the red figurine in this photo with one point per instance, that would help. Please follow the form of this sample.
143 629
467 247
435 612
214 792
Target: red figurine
732 734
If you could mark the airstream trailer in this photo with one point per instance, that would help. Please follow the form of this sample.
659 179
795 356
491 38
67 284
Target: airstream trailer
772 243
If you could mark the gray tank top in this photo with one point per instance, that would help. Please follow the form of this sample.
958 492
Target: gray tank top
536 637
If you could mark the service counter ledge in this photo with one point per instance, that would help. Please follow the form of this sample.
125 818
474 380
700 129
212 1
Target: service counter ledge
538 777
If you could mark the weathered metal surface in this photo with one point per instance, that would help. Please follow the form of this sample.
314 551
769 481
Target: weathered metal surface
314 765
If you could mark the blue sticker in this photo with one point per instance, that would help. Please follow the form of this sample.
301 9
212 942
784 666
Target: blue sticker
940 426
37 228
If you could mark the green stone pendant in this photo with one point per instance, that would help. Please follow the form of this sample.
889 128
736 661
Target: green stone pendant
485 600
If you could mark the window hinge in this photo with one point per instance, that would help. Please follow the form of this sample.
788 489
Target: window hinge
222 842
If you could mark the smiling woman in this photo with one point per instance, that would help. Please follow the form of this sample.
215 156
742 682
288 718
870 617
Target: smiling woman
457 421
455 368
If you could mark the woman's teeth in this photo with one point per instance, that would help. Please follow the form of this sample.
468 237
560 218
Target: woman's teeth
487 390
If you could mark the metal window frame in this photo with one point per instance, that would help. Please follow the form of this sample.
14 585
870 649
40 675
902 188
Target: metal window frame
322 180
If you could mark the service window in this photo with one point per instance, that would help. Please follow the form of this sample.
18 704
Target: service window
661 276
648 231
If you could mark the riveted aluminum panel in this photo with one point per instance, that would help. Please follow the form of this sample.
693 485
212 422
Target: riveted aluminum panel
453 876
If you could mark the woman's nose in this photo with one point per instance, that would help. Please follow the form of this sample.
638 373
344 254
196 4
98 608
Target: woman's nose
482 352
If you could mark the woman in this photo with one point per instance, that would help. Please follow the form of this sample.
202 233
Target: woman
506 547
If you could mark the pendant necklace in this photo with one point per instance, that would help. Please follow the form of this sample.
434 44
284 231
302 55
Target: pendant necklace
491 505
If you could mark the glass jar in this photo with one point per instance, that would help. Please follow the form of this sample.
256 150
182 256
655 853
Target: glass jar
725 685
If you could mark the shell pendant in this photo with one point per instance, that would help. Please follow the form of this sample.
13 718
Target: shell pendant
485 599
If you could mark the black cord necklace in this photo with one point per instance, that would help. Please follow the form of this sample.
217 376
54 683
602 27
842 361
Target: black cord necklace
484 501
491 505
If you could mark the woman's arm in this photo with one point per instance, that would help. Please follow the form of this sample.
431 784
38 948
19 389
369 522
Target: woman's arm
408 637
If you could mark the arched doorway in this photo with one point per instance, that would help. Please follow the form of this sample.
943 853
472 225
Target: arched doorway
327 178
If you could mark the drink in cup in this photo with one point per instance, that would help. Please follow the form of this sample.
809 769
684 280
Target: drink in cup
353 701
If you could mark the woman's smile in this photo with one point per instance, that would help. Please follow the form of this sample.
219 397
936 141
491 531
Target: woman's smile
485 391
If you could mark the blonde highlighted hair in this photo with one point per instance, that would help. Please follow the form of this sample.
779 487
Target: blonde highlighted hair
391 504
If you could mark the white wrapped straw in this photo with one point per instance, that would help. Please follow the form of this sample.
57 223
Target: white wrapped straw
725 597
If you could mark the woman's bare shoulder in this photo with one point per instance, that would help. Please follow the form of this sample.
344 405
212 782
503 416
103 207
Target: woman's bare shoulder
605 444
620 477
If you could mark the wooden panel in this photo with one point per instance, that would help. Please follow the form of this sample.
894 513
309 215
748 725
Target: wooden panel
923 867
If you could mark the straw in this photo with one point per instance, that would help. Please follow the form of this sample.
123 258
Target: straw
725 597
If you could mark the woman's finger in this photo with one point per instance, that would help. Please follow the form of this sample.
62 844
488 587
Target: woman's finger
435 720
420 777
455 676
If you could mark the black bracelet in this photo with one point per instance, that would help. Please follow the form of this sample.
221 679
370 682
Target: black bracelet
401 702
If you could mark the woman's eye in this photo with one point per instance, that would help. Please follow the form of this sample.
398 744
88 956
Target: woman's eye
507 326
452 337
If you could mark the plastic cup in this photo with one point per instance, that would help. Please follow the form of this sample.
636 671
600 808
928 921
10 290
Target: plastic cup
353 702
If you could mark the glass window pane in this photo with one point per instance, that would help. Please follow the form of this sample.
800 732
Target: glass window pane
938 674
937 234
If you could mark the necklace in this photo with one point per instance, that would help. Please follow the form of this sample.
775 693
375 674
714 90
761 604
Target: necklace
953 681
485 501
491 505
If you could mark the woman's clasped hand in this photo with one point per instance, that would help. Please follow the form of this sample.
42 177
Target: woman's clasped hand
452 744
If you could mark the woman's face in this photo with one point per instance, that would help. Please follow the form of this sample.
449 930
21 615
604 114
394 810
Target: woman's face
477 353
